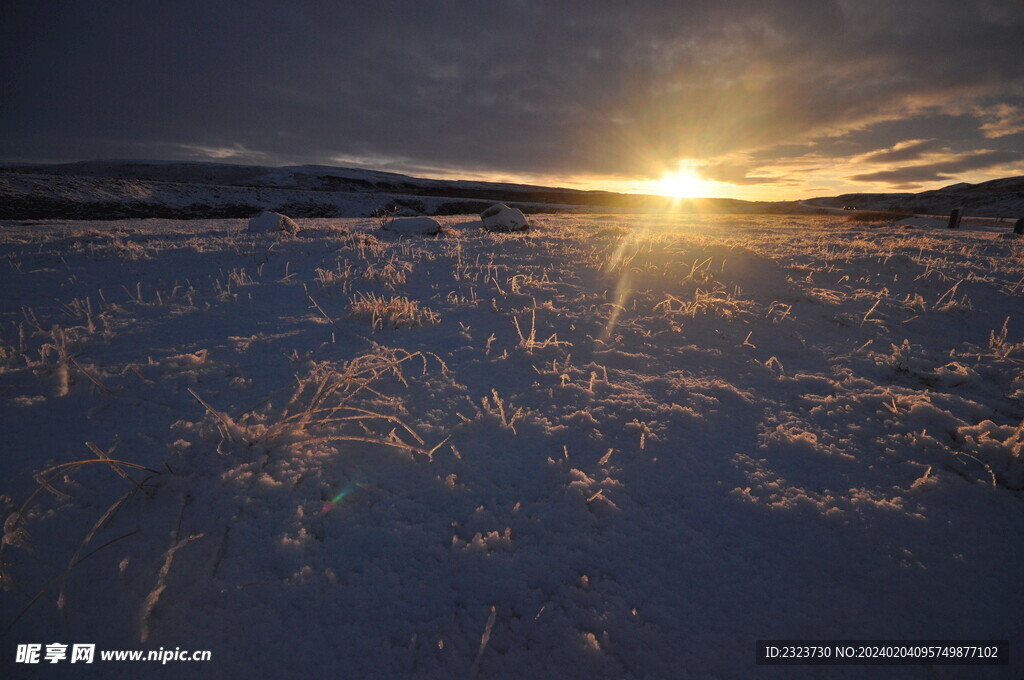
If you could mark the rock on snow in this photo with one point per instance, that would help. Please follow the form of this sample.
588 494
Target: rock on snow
272 223
500 217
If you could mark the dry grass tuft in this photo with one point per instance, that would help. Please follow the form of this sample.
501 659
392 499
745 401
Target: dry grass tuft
392 273
391 312
17 536
529 341
333 403
715 303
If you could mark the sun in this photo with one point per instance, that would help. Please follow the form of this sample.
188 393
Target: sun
682 184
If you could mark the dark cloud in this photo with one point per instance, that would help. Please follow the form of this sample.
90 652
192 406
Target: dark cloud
909 150
556 89
942 170
928 129
739 174
1001 120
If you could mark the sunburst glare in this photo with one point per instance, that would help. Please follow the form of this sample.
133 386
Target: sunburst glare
683 183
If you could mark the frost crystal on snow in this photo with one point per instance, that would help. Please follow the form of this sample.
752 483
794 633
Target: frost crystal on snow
14 533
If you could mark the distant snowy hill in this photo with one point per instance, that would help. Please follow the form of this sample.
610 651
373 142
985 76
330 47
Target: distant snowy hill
111 189
996 198
117 189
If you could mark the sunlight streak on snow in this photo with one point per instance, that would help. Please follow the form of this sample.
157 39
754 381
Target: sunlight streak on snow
622 292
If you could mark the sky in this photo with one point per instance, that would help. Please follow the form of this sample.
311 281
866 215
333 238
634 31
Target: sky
732 98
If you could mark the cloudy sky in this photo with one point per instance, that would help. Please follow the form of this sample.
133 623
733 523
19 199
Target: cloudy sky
739 98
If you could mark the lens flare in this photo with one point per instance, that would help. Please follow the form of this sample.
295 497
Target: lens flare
337 499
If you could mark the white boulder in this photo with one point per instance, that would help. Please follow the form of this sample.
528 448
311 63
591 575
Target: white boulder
272 223
500 217
414 226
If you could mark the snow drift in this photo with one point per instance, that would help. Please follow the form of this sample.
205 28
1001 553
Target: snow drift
419 226
272 223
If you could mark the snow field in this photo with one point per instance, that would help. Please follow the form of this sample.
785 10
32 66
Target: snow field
617 446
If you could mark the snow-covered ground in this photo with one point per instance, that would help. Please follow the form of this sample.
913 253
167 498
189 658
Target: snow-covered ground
614 447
